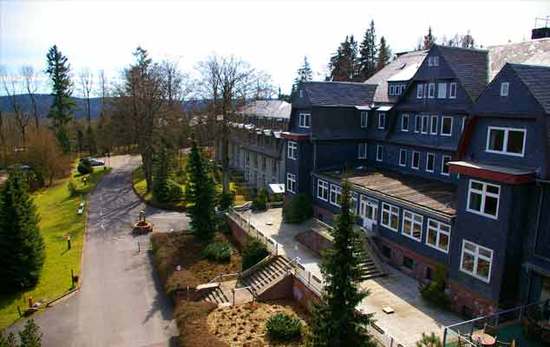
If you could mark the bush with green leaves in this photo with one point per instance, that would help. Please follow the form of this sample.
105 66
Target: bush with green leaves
260 201
429 341
29 336
71 187
434 292
253 252
283 327
225 200
85 167
219 251
298 209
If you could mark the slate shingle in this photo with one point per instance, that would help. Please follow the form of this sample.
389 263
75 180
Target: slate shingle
339 93
537 79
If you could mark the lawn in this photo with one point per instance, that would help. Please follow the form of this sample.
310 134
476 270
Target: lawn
58 218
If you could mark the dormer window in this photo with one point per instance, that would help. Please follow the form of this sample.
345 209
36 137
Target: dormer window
381 120
431 90
433 61
304 120
420 91
364 119
392 90
301 92
452 90
504 88
442 90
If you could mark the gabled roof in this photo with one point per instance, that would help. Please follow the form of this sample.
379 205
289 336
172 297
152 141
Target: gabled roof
534 52
339 93
402 68
537 80
470 67
266 108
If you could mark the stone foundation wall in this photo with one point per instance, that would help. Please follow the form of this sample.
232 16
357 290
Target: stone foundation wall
238 233
468 303
303 295
323 214
314 241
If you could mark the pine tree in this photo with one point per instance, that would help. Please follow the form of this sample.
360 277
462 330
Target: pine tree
30 336
21 245
429 40
384 54
336 322
343 64
201 196
304 74
368 54
61 110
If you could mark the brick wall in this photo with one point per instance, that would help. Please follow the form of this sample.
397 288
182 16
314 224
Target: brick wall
469 303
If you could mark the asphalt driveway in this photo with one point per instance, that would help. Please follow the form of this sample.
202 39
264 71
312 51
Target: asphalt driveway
120 302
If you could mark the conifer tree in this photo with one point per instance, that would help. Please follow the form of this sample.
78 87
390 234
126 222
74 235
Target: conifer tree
336 322
343 64
201 195
30 336
304 74
429 39
368 54
384 54
21 245
61 110
161 189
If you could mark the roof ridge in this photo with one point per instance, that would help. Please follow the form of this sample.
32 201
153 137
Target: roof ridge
517 43
473 50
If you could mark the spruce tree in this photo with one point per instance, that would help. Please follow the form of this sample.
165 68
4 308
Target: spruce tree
384 54
368 54
336 322
161 190
30 336
343 64
429 39
201 196
304 74
21 245
61 109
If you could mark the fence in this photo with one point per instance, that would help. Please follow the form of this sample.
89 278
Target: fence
311 281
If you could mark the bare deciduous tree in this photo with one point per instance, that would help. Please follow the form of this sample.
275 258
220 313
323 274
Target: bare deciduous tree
30 79
12 89
86 79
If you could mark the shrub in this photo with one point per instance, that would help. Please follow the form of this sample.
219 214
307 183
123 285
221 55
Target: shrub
429 341
298 209
72 188
253 253
225 200
84 167
434 291
167 191
283 327
218 251
260 202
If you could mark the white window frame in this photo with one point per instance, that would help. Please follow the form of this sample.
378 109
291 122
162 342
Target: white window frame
402 155
433 61
443 119
291 182
364 119
442 90
304 120
443 157
392 89
425 122
413 218
362 150
381 120
484 194
292 150
476 255
505 142
322 190
428 156
391 211
301 92
431 90
379 150
403 117
452 90
504 88
337 190
417 154
420 91
417 123
438 230
433 124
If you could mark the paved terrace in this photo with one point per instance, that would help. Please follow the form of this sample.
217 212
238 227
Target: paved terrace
412 315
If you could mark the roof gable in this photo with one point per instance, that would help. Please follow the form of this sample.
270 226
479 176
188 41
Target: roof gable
537 81
519 102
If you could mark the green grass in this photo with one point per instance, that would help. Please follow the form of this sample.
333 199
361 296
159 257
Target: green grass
58 217
140 185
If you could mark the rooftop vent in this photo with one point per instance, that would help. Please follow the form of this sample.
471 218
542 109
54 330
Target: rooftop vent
542 29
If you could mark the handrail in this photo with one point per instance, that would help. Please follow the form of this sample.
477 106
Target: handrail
257 265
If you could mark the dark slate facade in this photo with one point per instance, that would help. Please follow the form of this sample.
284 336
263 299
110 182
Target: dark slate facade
481 216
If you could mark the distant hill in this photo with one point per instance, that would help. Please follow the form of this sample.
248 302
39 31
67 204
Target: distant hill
44 102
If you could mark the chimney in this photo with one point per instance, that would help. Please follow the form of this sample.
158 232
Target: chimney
541 31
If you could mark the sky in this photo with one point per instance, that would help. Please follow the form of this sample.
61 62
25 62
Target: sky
272 36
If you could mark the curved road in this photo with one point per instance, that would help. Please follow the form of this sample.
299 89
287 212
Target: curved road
120 302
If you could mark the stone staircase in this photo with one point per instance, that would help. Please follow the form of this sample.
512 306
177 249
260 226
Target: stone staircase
214 293
265 274
370 263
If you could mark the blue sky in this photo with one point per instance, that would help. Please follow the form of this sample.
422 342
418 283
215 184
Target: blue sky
272 36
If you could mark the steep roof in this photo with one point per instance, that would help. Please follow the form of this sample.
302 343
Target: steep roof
267 108
402 68
470 67
339 93
537 79
535 52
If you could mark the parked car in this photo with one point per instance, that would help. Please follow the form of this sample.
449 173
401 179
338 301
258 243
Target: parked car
93 161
